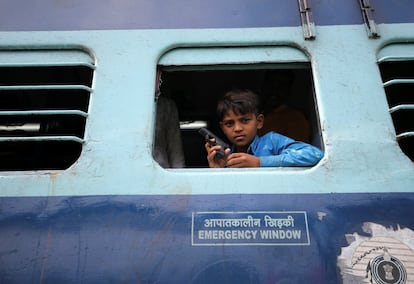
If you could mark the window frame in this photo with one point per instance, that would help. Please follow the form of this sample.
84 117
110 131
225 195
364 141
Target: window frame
210 59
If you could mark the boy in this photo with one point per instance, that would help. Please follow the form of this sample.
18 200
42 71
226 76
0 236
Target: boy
239 116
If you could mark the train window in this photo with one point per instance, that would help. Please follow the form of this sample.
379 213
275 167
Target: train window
45 99
396 64
194 79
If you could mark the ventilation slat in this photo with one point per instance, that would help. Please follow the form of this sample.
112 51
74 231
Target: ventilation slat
46 64
396 52
44 102
398 81
396 63
43 112
42 138
402 107
405 135
45 87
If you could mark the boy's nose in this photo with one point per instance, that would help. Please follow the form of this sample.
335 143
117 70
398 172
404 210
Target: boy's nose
238 127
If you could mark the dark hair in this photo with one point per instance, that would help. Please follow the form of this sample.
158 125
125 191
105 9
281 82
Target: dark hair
239 101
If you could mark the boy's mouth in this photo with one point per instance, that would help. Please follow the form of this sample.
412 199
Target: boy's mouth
239 138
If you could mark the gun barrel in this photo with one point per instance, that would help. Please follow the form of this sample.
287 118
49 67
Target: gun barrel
208 135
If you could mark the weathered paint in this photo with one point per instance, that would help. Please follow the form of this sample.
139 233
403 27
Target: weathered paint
147 239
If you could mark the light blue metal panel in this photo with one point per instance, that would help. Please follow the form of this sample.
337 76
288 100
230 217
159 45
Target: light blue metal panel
392 52
233 55
45 57
352 107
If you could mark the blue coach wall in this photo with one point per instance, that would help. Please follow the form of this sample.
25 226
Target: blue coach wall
21 15
147 239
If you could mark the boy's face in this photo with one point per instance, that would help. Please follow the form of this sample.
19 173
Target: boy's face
241 129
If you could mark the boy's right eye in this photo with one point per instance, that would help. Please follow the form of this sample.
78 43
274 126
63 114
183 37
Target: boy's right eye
245 120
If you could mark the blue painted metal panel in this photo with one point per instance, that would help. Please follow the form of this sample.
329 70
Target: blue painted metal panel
147 239
20 15
157 14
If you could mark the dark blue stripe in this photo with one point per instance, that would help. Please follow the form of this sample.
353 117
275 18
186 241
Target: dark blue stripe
147 239
22 15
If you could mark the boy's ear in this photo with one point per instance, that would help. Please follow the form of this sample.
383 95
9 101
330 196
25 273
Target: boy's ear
260 121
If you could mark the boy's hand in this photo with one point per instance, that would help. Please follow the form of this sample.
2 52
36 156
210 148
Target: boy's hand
242 160
214 162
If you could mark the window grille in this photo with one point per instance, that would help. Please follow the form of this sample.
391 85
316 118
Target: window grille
397 70
43 108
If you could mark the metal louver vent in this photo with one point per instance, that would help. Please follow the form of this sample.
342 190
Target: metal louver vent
44 100
397 71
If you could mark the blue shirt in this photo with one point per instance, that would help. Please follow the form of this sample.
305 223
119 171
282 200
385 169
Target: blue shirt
276 150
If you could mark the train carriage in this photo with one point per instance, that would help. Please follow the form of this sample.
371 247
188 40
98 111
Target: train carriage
82 199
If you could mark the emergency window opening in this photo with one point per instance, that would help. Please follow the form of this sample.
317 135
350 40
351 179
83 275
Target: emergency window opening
43 108
398 79
195 91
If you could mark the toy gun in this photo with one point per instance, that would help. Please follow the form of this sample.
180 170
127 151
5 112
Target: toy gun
208 136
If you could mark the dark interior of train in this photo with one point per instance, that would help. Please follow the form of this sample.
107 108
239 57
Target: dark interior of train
196 91
40 122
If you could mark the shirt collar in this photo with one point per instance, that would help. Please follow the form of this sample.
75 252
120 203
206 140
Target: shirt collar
252 147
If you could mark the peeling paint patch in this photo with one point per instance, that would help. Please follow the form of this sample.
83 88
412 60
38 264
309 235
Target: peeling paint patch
321 215
387 256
